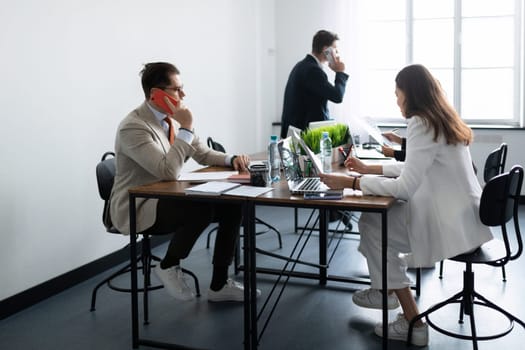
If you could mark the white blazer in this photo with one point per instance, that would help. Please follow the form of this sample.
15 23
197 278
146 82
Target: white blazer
442 193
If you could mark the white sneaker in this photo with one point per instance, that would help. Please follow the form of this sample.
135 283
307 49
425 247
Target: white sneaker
232 291
398 330
373 299
175 283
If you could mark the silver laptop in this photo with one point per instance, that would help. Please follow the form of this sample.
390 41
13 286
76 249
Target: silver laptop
373 152
318 165
297 184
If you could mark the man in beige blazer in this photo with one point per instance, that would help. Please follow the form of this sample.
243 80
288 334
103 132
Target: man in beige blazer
145 154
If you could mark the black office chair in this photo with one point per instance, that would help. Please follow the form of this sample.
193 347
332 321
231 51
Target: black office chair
499 204
218 147
105 177
494 165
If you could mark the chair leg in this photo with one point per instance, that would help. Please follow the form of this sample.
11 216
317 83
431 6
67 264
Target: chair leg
503 272
295 219
418 281
195 279
106 280
272 228
496 307
258 221
146 271
209 237
237 257
436 307
473 329
461 312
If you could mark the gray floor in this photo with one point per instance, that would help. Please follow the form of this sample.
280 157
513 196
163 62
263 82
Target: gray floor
309 316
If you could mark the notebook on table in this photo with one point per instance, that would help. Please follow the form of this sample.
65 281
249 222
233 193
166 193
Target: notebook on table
297 184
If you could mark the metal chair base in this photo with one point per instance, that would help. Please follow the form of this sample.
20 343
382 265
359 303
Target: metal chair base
147 263
467 299
257 221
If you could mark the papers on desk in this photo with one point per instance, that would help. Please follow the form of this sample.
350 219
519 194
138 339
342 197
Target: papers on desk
212 188
203 176
216 188
248 191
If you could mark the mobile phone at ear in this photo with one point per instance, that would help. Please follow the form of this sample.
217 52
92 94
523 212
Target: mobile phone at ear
329 54
157 96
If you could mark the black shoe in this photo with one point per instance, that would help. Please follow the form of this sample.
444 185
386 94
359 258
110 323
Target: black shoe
347 220
335 215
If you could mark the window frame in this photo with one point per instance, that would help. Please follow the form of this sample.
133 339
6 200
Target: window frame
517 119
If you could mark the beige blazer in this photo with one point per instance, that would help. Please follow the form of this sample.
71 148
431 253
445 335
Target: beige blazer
143 155
442 193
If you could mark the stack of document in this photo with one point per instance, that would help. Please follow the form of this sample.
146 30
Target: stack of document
211 188
203 176
216 188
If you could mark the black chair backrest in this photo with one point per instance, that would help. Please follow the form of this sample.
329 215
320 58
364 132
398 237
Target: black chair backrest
215 145
106 175
105 178
499 203
495 163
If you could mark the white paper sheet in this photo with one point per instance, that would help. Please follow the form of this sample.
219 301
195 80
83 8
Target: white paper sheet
248 191
204 176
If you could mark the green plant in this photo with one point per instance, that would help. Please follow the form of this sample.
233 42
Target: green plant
339 133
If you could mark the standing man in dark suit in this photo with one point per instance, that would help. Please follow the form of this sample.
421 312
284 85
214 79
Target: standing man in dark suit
308 89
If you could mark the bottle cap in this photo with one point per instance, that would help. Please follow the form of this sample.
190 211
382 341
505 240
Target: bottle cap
273 138
325 134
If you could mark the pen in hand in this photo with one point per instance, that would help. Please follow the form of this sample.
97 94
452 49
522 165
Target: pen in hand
346 155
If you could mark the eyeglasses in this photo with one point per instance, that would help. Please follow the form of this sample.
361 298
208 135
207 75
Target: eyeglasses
174 89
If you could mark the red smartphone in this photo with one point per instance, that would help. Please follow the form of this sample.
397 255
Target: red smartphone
157 97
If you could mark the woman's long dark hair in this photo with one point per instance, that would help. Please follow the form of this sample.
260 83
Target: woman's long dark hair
425 98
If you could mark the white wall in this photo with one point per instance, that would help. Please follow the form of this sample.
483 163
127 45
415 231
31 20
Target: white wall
69 73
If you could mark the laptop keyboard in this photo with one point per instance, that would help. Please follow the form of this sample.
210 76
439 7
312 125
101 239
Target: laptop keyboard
310 184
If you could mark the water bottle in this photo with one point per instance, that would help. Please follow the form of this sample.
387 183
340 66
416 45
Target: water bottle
274 161
326 152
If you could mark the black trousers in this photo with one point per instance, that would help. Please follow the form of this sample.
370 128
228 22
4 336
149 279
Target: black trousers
187 220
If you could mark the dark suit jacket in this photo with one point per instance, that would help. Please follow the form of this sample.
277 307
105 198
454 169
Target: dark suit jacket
307 93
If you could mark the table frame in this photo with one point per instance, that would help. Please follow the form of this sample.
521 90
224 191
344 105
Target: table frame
280 197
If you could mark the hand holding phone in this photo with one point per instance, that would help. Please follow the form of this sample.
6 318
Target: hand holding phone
158 97
329 54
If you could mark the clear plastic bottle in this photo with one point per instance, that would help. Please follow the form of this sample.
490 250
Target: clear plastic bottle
274 161
326 152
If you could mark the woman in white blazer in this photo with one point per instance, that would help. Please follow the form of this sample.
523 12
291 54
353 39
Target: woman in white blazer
436 215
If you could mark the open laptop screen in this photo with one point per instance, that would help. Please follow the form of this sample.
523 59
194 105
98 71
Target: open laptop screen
289 160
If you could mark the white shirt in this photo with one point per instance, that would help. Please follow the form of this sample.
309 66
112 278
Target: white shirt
183 134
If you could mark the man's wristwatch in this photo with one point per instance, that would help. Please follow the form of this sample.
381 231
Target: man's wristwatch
231 160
